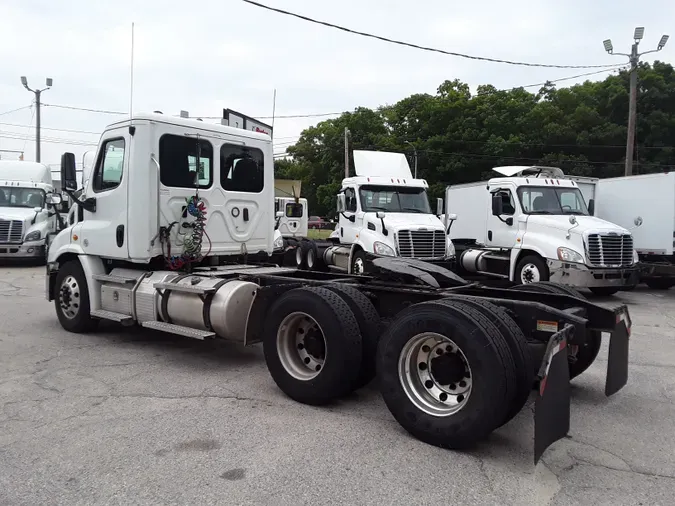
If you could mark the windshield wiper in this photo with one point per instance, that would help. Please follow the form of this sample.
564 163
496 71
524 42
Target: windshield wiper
542 212
378 208
578 213
414 210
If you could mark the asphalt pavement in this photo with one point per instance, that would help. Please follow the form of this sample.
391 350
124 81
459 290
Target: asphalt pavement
138 417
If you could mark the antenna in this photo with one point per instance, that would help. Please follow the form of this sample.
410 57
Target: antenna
131 96
274 108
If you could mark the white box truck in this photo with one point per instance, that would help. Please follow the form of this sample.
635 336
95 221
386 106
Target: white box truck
533 225
644 204
27 209
164 247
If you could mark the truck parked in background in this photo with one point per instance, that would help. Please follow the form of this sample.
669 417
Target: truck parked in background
644 204
533 225
27 216
383 211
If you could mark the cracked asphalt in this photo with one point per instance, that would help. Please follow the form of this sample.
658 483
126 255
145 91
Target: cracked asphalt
137 417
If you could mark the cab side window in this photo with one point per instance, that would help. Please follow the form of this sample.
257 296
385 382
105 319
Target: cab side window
508 204
110 165
350 200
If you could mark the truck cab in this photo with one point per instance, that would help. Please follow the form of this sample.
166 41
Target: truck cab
26 215
384 211
533 225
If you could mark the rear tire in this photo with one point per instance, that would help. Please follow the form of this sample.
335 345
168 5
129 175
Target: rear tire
414 392
660 283
312 345
301 254
71 299
369 325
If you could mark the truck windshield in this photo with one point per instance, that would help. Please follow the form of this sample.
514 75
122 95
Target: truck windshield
14 196
394 199
548 200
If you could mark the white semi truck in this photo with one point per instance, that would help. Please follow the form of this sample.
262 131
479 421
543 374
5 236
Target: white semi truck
383 211
187 252
27 213
533 225
644 204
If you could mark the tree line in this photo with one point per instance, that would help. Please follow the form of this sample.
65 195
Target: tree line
460 136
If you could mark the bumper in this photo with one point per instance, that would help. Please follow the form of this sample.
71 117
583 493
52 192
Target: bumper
30 250
580 276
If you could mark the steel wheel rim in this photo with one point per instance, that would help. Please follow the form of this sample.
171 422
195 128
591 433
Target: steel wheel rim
300 341
311 258
358 266
298 256
425 380
69 297
530 274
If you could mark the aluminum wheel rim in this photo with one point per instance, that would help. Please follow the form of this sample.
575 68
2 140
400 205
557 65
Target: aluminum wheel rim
358 266
298 256
297 354
530 274
311 258
421 378
69 297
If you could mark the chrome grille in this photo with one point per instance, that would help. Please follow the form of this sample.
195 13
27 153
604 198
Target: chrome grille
610 249
421 243
11 231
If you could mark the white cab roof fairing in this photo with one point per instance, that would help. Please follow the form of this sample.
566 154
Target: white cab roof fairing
529 170
33 172
287 187
381 163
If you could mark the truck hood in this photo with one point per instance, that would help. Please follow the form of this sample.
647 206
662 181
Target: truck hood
584 223
16 213
408 221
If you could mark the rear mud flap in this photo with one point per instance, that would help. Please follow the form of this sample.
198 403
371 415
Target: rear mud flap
617 362
552 407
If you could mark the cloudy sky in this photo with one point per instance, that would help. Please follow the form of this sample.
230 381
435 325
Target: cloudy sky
206 55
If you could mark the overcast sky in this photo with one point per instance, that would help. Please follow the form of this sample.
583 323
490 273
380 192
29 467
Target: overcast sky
205 55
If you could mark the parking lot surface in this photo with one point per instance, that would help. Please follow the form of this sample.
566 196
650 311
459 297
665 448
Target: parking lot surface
137 417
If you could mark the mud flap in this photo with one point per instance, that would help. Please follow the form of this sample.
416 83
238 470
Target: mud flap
552 407
617 362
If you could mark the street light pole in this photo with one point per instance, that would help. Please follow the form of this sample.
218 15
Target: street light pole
37 94
415 152
634 59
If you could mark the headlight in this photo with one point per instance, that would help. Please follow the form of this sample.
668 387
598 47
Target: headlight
33 236
636 257
278 242
382 249
449 247
569 255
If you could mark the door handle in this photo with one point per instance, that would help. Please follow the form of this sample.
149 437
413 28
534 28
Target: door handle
246 214
489 235
119 235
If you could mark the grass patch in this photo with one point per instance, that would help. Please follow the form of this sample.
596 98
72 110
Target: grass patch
314 233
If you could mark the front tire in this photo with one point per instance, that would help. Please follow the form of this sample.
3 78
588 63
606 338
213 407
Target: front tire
660 283
603 291
445 374
531 269
359 263
71 299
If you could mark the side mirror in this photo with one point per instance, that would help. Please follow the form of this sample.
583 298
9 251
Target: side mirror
452 217
53 199
280 214
591 207
440 208
68 172
37 210
380 215
497 207
638 221
341 203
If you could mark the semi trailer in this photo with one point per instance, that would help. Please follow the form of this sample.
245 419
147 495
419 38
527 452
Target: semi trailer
532 224
455 360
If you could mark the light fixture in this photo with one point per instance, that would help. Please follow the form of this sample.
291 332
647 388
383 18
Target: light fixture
24 81
662 42
639 33
49 82
608 45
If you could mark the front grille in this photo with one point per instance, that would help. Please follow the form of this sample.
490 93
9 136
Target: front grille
11 231
610 250
421 243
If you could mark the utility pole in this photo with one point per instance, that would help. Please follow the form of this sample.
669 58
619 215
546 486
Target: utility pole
37 93
346 152
415 151
634 59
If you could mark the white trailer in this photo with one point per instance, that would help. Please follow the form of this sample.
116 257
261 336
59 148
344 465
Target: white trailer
644 204
28 213
187 252
533 225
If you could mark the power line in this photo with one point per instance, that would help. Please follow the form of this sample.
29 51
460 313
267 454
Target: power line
54 129
22 137
17 109
416 46
551 81
71 107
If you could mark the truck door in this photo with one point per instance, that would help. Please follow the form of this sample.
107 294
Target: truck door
349 230
104 231
499 233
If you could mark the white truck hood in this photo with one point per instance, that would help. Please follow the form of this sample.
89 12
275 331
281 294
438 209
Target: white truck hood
408 221
584 223
16 213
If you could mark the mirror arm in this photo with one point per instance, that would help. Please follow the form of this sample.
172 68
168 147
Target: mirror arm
87 204
384 229
350 218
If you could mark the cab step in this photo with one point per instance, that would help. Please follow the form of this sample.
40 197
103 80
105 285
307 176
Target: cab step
179 330
124 319
118 280
201 290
